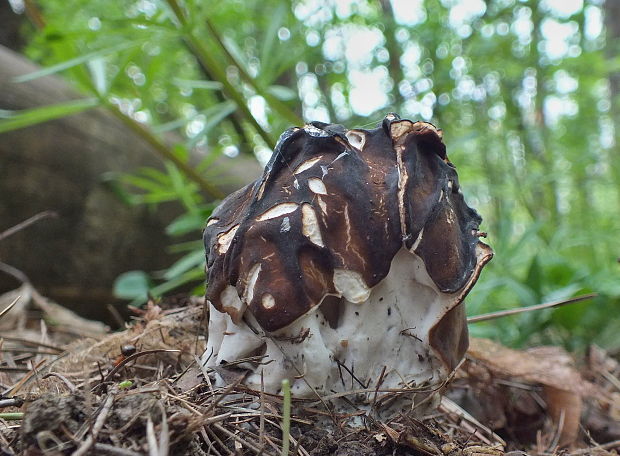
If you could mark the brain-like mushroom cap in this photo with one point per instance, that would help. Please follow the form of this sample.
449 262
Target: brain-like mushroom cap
329 214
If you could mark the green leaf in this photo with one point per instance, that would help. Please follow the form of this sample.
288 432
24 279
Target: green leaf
76 61
215 114
186 223
214 119
534 277
240 58
186 246
186 191
186 263
271 36
199 290
125 384
113 182
156 175
198 84
14 120
98 74
192 275
132 285
147 184
282 92
609 337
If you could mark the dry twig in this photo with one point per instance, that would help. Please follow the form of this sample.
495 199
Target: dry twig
547 305
26 223
8 308
99 422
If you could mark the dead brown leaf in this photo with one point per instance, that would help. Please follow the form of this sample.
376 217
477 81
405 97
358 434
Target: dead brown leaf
550 367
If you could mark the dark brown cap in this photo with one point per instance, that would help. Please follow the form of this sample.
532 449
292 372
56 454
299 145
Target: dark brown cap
329 214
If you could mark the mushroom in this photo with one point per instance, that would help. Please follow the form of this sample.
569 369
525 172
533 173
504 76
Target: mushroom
345 263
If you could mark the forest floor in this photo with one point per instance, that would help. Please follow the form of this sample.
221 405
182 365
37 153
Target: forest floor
69 386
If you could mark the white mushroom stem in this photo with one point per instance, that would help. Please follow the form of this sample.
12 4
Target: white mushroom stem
390 330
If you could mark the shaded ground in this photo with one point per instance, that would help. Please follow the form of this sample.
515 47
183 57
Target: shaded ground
69 394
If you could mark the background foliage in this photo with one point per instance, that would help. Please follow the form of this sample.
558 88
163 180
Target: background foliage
524 91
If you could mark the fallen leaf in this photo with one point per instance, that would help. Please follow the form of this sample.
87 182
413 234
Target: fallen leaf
550 367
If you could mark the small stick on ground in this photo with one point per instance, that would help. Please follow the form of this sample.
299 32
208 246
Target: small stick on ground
99 422
26 223
164 433
11 402
128 359
8 308
603 447
109 449
235 437
151 439
33 342
65 380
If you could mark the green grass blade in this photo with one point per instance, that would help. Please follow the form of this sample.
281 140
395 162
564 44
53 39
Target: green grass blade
12 416
14 120
286 416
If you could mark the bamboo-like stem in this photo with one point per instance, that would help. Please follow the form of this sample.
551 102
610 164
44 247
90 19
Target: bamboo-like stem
273 102
213 66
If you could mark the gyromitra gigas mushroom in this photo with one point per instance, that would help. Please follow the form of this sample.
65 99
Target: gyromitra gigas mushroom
345 263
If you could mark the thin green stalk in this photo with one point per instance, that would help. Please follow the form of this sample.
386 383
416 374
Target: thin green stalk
276 104
286 417
12 416
218 73
165 152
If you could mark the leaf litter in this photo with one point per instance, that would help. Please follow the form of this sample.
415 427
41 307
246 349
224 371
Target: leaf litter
66 391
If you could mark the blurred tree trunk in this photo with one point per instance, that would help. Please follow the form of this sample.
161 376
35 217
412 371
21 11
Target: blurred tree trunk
537 138
612 24
394 51
58 166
